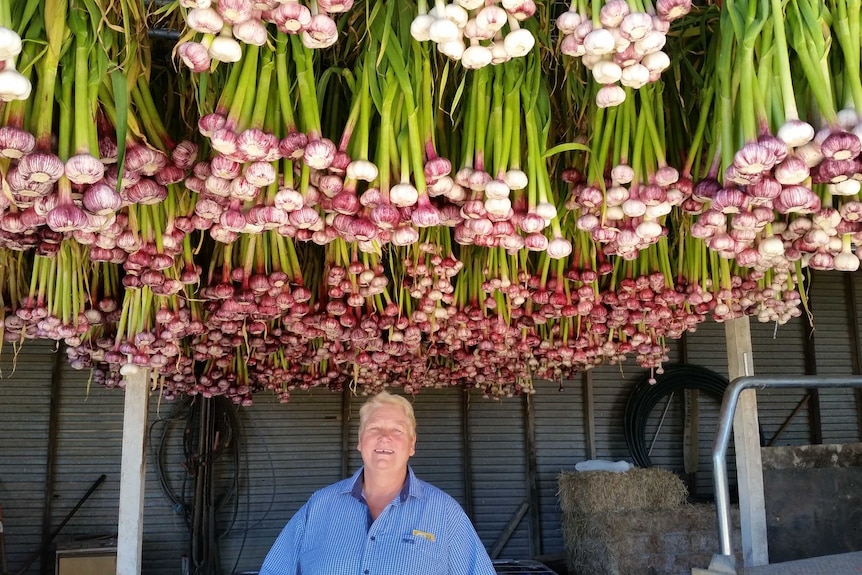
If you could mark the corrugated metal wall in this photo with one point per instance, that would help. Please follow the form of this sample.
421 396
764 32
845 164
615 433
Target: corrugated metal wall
293 449
834 353
25 401
439 455
498 470
89 444
561 441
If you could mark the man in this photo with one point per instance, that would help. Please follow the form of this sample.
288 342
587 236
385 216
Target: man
383 520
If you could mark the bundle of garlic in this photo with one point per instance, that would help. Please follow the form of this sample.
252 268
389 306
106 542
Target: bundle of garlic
476 32
217 29
620 44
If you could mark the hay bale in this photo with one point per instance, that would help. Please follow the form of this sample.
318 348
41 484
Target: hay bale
589 492
639 542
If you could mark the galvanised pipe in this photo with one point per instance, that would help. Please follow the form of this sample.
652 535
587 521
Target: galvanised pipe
725 425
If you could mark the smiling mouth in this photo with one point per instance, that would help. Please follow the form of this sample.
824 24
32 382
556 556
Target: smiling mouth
384 451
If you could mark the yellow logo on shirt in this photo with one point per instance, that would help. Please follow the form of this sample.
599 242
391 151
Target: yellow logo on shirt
429 536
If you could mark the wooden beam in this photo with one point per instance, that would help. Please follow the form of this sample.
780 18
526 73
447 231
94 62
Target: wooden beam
853 331
683 348
504 537
802 403
589 412
534 495
346 400
467 452
691 435
746 437
815 423
45 560
130 528
691 441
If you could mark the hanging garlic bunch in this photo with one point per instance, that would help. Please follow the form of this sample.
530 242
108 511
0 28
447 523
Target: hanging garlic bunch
13 84
475 32
227 24
620 45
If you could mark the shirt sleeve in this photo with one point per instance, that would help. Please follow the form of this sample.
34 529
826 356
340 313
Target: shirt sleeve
467 554
283 558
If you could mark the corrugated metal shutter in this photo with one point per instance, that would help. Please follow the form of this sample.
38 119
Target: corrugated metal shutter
293 450
89 444
707 347
498 471
25 398
833 353
611 388
560 443
289 451
439 457
779 350
166 537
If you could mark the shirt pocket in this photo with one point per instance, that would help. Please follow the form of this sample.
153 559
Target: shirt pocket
423 557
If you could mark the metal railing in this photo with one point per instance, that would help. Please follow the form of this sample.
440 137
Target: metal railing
725 425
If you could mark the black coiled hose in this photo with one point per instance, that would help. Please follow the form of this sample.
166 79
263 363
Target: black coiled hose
645 396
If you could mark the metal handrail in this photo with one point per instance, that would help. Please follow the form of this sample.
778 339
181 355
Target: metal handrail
725 425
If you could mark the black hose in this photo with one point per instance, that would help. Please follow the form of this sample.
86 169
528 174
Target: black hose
646 396
211 437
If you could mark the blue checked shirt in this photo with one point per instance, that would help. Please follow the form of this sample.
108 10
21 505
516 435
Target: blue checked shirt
422 532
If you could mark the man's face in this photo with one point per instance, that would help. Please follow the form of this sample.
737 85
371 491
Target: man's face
387 442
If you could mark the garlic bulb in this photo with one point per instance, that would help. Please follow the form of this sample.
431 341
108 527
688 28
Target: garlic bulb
10 43
225 49
13 84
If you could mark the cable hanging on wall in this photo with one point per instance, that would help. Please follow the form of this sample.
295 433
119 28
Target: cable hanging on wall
645 397
211 442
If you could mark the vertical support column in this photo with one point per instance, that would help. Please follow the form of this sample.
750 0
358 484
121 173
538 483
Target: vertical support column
533 491
467 452
133 474
589 413
690 436
815 426
853 321
746 437
346 400
46 562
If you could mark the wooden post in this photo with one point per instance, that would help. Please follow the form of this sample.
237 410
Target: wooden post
130 529
746 437
46 563
533 491
853 319
589 412
815 425
467 452
346 400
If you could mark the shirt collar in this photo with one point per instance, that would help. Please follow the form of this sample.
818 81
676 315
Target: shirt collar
411 488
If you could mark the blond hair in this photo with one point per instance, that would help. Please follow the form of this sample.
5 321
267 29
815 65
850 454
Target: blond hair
385 398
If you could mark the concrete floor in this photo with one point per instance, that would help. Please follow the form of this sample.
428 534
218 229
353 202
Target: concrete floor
844 564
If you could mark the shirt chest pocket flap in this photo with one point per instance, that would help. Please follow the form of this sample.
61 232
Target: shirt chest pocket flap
424 554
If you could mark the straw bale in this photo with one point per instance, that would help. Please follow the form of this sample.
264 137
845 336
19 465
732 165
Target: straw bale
639 542
588 492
